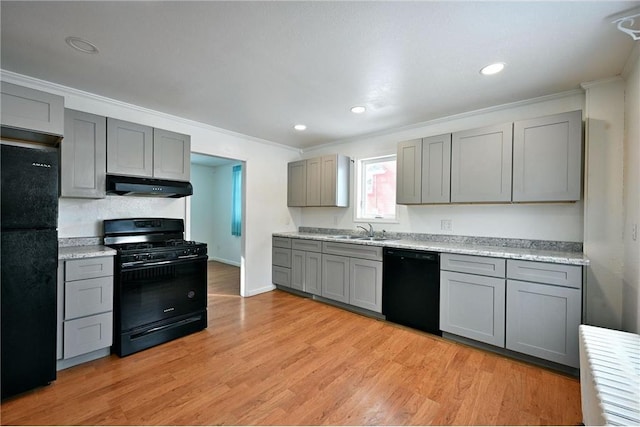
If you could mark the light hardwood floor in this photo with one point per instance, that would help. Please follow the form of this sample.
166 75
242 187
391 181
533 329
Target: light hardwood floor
276 358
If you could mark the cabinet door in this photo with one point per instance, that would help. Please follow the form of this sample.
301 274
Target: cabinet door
547 158
313 273
473 306
329 182
88 268
365 281
83 155
32 110
281 275
409 172
129 148
481 164
543 321
297 269
335 278
314 181
171 155
436 169
297 183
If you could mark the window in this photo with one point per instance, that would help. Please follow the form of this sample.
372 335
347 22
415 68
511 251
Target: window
236 200
376 188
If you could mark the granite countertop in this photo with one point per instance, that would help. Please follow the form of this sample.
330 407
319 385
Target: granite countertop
86 251
82 247
540 255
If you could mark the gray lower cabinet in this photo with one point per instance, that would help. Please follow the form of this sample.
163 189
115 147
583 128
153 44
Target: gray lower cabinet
85 305
481 162
281 261
529 307
543 310
83 155
352 274
365 284
335 277
473 306
547 158
306 265
26 110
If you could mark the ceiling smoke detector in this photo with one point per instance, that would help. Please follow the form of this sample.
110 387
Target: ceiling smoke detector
81 45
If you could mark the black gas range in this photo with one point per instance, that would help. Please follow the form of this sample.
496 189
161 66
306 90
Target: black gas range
160 282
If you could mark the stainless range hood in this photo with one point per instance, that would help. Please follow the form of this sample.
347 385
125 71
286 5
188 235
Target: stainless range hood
147 187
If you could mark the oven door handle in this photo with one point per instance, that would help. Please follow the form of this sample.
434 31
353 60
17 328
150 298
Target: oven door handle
142 264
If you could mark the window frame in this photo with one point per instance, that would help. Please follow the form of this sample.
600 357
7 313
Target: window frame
359 183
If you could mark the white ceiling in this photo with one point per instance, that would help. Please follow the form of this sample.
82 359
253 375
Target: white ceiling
258 68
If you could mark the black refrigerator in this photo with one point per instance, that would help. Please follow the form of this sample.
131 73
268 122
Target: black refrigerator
29 262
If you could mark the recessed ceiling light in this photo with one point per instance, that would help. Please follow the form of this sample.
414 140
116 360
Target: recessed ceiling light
300 127
358 109
82 45
492 68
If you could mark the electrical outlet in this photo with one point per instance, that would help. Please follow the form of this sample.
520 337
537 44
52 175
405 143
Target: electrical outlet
634 232
445 225
336 219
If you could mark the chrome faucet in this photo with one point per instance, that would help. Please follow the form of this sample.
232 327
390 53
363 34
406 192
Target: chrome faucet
369 231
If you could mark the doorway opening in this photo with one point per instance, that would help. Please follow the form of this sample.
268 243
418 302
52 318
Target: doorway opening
213 219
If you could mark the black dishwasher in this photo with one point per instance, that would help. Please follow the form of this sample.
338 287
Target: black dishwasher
411 289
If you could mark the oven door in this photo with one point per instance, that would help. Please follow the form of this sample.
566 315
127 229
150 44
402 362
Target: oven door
159 291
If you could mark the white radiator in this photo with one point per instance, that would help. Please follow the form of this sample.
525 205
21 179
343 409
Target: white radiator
609 377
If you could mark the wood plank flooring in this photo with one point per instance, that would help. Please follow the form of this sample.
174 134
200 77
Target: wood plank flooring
278 359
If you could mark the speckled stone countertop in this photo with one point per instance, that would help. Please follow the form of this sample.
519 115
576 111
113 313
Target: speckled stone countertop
526 253
82 247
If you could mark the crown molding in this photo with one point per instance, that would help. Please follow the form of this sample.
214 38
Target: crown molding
458 116
594 83
58 89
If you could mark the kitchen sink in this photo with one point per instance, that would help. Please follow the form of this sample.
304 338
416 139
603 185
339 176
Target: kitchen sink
372 239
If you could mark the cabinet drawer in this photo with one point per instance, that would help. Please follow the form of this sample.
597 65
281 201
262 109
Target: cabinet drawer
306 245
373 253
484 266
281 242
543 272
87 268
89 296
281 276
87 334
281 257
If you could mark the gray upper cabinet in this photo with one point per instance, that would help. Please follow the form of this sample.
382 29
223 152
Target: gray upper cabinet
314 181
436 169
138 150
481 164
25 109
297 183
547 158
83 155
171 155
320 181
129 148
409 172
334 190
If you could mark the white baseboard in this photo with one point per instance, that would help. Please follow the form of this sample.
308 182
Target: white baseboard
225 261
259 291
